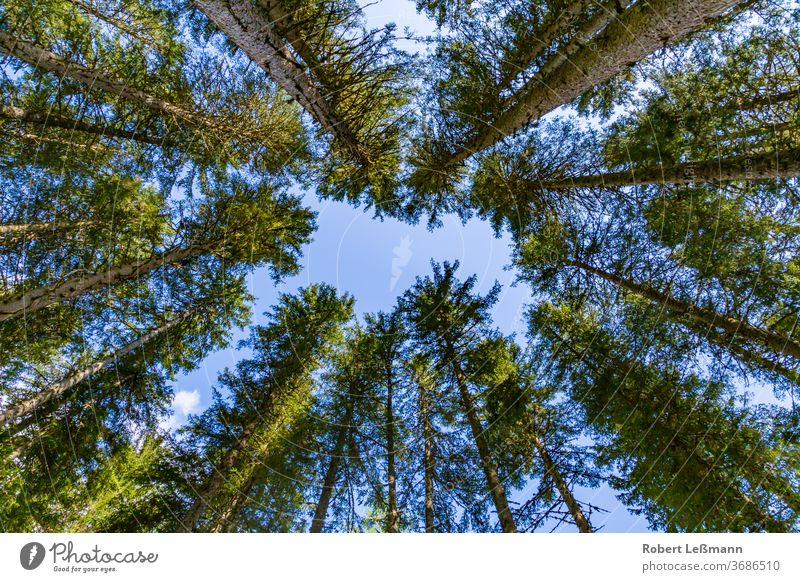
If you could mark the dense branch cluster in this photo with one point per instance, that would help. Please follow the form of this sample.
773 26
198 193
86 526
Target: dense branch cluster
641 155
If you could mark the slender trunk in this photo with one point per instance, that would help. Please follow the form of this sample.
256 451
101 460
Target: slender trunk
642 29
427 455
56 390
567 497
34 229
392 517
66 123
559 26
115 22
225 521
191 520
783 164
318 523
492 478
45 139
604 15
250 29
44 60
41 297
778 343
746 355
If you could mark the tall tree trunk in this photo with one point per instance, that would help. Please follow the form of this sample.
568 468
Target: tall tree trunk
57 389
250 28
427 454
557 27
392 517
776 342
492 478
191 520
567 497
225 521
782 164
642 29
44 60
606 13
50 120
41 297
318 523
746 355
34 229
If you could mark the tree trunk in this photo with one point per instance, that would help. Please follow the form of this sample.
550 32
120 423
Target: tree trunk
225 521
427 455
563 489
642 29
746 355
557 27
318 523
33 230
392 517
492 478
41 297
50 120
251 29
604 15
190 522
784 164
778 343
59 388
42 59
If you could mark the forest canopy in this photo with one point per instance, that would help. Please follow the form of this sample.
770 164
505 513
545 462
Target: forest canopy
641 156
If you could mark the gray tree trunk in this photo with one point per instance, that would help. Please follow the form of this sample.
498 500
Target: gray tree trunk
776 342
782 164
57 389
642 29
41 297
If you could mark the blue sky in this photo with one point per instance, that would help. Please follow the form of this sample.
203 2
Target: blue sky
377 261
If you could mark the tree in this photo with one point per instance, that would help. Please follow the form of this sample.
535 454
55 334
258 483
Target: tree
348 79
690 458
268 393
284 227
446 319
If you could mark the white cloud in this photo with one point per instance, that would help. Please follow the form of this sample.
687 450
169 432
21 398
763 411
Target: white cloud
186 402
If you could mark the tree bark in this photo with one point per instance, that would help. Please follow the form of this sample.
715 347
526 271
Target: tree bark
778 343
33 230
41 297
783 164
747 355
392 517
318 523
492 478
580 519
50 120
557 27
42 59
251 29
604 15
59 388
642 29
190 521
427 454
